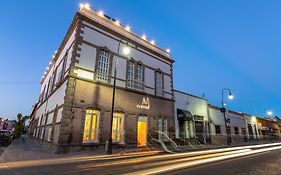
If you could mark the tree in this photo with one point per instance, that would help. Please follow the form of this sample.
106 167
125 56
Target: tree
19 125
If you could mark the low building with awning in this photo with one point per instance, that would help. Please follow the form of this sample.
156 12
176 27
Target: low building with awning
191 117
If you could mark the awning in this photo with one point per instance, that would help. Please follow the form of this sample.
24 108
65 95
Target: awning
184 115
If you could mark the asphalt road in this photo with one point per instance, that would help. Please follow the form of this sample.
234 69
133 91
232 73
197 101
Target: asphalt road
221 161
261 164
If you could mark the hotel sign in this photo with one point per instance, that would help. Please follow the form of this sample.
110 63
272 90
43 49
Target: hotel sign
145 103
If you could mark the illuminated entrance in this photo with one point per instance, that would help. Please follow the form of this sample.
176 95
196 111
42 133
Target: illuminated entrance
142 131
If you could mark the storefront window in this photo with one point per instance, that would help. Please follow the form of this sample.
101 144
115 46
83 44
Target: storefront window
117 127
91 126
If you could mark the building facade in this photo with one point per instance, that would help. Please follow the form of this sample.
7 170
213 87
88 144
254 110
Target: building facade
191 117
217 125
235 130
237 124
74 108
251 127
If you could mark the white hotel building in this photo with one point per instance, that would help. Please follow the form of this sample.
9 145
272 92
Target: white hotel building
74 106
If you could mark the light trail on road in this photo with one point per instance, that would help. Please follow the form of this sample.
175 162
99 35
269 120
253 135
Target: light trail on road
159 163
168 168
143 158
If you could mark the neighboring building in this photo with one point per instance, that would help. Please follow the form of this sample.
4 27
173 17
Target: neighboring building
2 122
251 127
235 126
74 107
217 125
268 128
6 124
273 126
32 121
191 117
278 121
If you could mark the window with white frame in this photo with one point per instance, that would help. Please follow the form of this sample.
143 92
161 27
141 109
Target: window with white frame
50 118
58 73
165 129
159 83
43 93
159 127
42 132
49 137
162 126
139 77
91 126
103 66
130 78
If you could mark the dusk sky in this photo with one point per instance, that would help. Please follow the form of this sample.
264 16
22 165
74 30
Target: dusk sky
216 44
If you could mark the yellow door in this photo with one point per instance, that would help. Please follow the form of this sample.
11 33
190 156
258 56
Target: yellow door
142 131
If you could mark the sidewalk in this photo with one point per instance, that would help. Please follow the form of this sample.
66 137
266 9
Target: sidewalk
24 149
27 148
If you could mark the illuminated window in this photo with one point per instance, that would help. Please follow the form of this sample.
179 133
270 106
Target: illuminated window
159 83
103 66
117 127
91 126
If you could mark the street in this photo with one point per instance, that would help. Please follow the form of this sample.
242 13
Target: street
256 159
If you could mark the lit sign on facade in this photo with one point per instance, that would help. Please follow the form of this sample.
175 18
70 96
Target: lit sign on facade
145 103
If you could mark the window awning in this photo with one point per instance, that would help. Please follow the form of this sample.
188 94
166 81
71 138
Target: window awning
184 115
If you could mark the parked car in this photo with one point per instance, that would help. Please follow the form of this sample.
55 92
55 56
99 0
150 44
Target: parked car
5 137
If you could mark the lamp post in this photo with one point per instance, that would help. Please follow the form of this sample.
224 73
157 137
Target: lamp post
230 97
126 51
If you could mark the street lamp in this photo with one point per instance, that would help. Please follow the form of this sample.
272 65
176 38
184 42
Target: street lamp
268 113
126 51
230 97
